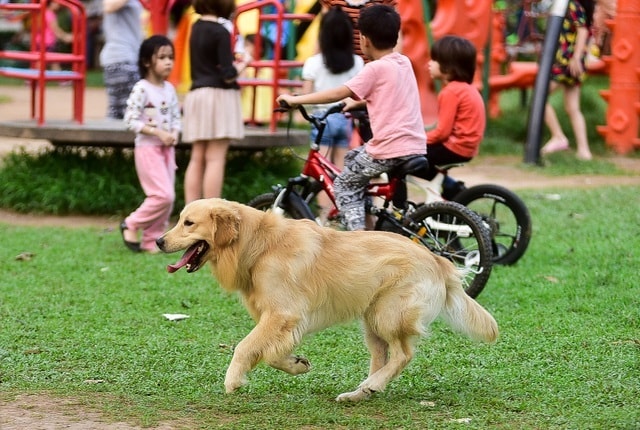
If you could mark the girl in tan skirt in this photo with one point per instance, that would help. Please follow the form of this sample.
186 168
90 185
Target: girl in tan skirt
212 107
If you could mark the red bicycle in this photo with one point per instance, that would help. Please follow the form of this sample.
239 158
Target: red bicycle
447 228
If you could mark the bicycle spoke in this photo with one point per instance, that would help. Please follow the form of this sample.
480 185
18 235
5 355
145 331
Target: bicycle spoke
456 233
506 216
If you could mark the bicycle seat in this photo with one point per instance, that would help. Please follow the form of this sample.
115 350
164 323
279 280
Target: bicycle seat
445 167
410 166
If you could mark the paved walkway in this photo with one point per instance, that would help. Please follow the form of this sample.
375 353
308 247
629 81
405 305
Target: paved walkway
58 103
58 106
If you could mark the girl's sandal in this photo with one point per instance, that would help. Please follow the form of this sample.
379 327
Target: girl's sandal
133 246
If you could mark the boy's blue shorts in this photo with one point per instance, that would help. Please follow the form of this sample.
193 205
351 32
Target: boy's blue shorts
337 133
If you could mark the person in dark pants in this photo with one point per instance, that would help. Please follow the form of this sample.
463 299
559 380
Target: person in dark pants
119 56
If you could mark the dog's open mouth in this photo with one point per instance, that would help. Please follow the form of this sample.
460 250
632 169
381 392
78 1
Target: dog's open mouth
191 259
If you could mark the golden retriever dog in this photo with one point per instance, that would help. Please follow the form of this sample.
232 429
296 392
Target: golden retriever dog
295 277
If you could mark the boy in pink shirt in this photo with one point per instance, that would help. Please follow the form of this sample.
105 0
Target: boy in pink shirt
388 87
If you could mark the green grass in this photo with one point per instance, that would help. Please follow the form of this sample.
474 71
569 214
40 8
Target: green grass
83 309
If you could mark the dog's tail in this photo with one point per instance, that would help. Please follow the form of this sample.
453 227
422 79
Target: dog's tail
463 313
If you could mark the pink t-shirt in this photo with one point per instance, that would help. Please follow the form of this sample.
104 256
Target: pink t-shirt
391 91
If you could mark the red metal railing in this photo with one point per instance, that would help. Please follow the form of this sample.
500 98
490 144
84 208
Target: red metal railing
37 74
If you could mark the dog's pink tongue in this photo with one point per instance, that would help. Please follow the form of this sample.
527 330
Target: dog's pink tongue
183 261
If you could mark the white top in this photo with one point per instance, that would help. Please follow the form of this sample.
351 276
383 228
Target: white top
314 70
154 106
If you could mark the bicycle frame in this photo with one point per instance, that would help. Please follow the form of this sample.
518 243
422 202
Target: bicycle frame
322 170
432 189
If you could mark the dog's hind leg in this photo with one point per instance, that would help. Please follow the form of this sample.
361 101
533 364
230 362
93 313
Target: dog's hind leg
392 327
401 353
379 350
272 340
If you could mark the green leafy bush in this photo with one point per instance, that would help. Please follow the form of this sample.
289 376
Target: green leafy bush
92 181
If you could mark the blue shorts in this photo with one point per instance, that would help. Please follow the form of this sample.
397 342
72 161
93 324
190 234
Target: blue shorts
337 133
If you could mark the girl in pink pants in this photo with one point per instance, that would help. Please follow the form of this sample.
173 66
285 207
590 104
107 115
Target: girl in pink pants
153 112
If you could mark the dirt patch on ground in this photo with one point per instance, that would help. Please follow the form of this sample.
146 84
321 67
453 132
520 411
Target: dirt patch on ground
41 412
510 172
75 221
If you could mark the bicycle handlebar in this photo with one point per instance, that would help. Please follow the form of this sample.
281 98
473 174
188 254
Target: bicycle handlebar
285 107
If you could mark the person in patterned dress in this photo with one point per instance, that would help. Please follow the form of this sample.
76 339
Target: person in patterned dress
568 73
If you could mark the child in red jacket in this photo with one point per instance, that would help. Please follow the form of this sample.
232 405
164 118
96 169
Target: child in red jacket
461 111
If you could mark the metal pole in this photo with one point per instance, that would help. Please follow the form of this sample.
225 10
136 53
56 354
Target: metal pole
541 88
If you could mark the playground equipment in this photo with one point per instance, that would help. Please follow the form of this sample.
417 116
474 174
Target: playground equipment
475 20
268 75
470 19
279 67
415 45
519 74
159 14
38 58
466 18
623 96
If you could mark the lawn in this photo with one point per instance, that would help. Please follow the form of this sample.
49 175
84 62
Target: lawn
82 319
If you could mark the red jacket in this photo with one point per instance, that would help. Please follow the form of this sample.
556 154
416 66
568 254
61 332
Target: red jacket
461 119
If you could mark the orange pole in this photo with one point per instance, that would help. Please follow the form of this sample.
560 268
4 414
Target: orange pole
623 96
498 56
415 45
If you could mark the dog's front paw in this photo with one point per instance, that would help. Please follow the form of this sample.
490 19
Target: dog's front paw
292 364
355 396
231 385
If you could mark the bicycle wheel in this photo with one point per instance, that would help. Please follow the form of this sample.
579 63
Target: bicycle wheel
290 209
455 232
507 216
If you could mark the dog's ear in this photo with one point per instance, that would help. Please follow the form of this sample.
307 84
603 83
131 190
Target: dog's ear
226 226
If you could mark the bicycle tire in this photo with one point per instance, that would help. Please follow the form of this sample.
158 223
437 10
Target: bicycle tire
507 215
469 248
290 209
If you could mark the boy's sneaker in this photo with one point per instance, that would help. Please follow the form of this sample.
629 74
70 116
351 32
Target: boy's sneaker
451 188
